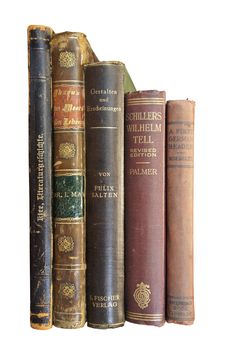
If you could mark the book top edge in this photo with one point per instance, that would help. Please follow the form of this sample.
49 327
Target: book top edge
69 34
109 62
40 28
180 101
144 92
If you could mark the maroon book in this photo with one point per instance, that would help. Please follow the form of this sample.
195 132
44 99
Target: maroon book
145 207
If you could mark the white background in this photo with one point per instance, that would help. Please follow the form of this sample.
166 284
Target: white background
186 48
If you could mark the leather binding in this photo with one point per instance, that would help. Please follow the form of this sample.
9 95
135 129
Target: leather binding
40 176
180 144
145 207
70 51
105 84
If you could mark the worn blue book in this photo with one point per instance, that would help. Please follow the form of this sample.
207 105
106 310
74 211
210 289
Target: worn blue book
40 176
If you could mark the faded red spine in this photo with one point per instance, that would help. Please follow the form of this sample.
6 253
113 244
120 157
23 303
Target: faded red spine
145 207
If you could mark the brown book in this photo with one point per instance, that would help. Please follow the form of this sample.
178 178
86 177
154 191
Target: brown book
180 142
69 52
145 207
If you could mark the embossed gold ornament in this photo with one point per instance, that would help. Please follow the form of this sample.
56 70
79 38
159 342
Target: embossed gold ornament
67 150
67 59
68 290
142 295
65 244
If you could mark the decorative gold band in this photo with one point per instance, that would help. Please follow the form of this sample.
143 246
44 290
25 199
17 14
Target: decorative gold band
69 221
144 103
155 317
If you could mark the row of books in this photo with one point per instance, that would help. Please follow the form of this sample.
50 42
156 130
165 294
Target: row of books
111 192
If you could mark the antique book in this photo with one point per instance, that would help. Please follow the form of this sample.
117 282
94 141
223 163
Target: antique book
180 144
70 51
40 176
145 207
105 85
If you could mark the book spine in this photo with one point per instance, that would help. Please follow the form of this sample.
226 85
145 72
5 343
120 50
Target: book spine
104 98
145 207
180 143
69 52
40 176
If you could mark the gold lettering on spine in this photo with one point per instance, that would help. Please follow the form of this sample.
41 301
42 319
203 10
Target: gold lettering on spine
142 133
142 116
142 172
103 190
105 301
66 91
40 178
77 194
68 106
143 153
104 99
144 127
142 140
106 91
104 173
